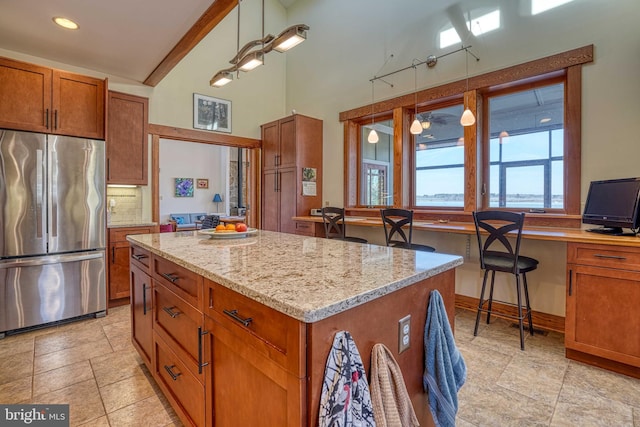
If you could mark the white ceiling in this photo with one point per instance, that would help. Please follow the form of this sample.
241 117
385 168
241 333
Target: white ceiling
122 38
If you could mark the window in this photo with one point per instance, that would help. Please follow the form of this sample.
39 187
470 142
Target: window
478 25
526 148
439 159
377 164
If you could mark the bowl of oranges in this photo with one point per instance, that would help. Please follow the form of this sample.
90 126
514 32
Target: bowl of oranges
229 231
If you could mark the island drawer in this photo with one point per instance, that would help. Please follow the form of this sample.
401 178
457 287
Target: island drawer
120 234
180 323
275 334
618 257
179 384
185 283
140 257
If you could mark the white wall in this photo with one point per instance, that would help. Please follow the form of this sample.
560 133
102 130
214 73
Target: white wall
192 160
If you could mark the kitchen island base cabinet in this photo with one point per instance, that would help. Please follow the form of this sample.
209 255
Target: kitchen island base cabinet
141 313
603 296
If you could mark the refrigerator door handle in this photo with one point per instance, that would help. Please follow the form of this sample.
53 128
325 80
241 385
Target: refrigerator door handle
53 193
40 202
50 259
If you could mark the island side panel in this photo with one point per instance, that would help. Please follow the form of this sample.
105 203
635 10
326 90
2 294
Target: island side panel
377 322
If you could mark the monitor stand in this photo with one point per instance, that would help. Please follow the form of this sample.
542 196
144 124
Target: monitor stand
612 231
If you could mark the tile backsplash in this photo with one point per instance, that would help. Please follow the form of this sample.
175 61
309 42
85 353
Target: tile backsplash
124 205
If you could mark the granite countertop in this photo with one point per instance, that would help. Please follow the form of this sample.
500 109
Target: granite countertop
307 278
137 224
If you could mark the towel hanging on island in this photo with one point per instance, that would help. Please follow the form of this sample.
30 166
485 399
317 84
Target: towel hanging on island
391 403
345 399
445 371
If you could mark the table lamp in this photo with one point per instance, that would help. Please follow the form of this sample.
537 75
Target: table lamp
217 199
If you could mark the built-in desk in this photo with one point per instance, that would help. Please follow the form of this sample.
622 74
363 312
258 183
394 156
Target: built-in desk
602 290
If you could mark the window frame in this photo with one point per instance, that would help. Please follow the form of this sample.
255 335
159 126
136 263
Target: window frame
566 65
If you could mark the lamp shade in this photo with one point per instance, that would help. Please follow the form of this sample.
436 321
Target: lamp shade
251 61
221 79
290 37
217 198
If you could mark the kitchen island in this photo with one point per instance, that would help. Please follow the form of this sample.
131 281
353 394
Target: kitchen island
237 331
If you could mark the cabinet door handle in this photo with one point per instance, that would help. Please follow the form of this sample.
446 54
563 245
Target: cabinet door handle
170 312
108 169
570 281
200 364
169 370
234 315
144 299
46 118
139 256
622 258
113 254
277 159
169 277
55 119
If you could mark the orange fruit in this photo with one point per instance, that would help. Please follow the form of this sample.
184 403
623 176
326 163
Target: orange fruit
231 227
220 227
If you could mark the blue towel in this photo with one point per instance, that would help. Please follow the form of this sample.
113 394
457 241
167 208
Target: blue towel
444 369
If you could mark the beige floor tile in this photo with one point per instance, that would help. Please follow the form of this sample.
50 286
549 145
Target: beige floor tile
16 391
69 356
16 366
117 328
65 376
492 405
77 335
20 343
148 412
83 400
102 421
116 366
604 383
579 407
636 417
125 392
484 366
117 314
121 342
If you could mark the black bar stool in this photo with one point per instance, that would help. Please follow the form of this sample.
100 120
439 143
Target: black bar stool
393 220
506 259
335 227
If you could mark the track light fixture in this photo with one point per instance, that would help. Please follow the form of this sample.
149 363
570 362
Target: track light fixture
252 54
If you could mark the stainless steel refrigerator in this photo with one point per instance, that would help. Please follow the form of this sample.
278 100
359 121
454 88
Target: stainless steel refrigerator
52 229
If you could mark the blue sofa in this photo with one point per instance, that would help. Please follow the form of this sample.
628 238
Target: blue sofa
186 221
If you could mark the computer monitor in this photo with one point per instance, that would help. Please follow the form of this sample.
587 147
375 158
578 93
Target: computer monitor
614 204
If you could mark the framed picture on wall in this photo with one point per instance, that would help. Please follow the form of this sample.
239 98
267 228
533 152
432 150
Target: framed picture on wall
202 183
211 113
184 187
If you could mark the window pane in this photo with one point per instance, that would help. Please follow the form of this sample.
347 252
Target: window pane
526 148
377 164
439 159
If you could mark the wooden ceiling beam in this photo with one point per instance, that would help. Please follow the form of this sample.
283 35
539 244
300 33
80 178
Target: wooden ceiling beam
207 22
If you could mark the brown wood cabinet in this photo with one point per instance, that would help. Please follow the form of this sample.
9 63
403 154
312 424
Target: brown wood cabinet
603 296
118 290
289 146
127 152
141 307
42 99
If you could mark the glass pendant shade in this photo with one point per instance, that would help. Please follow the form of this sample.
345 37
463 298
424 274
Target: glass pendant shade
426 125
373 137
416 127
467 119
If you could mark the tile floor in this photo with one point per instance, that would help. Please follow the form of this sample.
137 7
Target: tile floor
92 366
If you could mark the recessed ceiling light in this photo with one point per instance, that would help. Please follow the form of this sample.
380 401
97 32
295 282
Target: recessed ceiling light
65 23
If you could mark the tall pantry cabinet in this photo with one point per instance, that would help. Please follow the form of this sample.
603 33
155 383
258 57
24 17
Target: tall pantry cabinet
291 171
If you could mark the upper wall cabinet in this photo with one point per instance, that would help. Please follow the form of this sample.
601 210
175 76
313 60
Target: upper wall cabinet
127 152
41 99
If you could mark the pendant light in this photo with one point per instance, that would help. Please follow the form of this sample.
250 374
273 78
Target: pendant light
467 119
373 135
416 127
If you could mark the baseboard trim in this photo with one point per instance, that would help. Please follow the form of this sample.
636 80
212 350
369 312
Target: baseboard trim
544 321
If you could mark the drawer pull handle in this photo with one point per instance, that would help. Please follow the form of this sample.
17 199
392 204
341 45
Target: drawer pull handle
169 370
169 277
200 364
234 315
139 256
170 312
610 256
144 299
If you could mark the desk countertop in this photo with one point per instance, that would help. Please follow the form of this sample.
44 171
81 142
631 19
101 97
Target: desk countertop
534 233
306 278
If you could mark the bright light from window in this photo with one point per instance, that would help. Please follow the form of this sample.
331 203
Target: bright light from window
481 25
539 6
